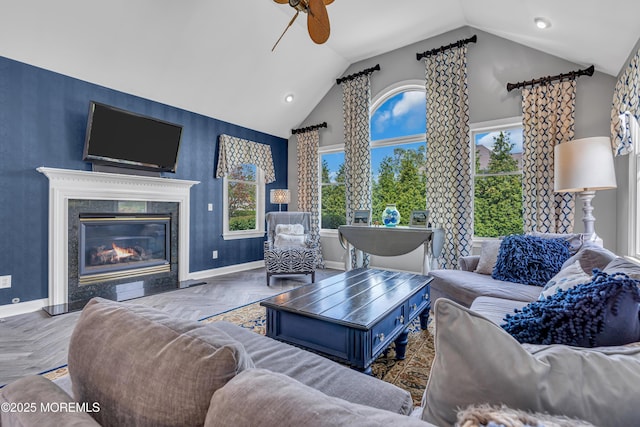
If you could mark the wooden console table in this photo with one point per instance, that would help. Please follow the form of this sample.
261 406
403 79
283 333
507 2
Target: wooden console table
391 241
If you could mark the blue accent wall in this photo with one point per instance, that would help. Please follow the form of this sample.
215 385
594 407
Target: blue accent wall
43 119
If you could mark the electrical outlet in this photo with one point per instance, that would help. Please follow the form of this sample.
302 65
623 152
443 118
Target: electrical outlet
215 255
210 207
5 282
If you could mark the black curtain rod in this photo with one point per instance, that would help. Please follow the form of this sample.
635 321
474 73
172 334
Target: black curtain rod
309 128
358 74
570 75
459 43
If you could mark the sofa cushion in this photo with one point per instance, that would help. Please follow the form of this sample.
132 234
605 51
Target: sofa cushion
602 312
268 399
488 256
566 278
477 361
530 260
145 368
495 309
465 286
32 391
319 372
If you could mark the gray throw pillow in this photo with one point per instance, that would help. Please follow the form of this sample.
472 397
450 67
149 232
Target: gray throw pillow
145 368
591 256
477 361
488 256
621 265
259 397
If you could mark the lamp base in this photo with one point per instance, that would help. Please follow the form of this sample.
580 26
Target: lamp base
588 219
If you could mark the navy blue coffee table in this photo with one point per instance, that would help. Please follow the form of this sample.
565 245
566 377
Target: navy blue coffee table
351 317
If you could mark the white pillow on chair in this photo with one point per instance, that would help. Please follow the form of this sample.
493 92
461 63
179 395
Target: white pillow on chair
293 229
283 240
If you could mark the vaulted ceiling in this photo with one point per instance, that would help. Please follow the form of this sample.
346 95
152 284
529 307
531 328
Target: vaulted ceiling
214 57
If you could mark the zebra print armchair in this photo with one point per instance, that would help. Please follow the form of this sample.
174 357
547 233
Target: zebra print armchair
288 248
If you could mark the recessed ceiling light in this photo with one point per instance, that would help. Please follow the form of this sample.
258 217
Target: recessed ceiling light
289 98
542 23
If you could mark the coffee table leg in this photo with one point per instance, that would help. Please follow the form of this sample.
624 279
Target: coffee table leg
401 344
424 318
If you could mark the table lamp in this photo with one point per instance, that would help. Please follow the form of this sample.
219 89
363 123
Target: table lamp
583 166
280 196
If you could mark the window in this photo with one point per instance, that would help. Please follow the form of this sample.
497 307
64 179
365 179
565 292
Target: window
332 190
244 203
497 155
398 152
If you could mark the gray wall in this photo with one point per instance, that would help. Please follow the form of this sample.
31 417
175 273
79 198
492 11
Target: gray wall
492 62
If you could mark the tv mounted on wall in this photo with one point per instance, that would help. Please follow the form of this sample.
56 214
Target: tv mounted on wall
121 138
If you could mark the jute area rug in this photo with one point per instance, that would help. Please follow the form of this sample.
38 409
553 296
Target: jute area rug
410 374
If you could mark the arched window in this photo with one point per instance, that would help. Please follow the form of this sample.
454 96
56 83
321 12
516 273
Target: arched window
398 150
398 125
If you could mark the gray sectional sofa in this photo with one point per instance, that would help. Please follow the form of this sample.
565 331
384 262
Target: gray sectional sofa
134 365
478 361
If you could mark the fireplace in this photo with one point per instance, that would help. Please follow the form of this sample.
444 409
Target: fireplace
121 250
117 246
74 192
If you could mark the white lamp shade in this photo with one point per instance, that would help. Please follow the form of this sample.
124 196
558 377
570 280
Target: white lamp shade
584 165
280 196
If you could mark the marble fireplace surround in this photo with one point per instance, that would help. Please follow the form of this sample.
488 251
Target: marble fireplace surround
65 185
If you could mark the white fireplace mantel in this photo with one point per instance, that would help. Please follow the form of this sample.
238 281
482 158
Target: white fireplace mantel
65 185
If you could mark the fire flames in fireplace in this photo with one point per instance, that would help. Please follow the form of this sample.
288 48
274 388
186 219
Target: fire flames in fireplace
115 255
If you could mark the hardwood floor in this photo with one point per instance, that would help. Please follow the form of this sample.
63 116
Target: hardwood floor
34 342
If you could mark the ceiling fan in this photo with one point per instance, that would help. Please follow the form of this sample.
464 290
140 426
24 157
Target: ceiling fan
317 18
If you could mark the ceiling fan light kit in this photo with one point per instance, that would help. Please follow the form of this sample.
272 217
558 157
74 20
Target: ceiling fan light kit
317 18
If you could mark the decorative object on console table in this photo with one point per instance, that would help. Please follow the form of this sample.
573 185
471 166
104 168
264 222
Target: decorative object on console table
419 219
361 217
583 166
280 196
390 215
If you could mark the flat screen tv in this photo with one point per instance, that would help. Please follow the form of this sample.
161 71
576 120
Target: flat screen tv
121 138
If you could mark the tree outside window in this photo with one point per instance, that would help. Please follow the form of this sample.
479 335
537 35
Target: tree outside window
498 182
242 190
398 153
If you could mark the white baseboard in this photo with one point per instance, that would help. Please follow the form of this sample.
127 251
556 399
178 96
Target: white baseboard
200 275
336 265
22 307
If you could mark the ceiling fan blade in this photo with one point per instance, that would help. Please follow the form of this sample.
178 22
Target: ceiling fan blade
282 1
285 30
318 21
327 2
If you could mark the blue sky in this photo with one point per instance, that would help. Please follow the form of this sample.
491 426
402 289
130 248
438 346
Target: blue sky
515 137
404 114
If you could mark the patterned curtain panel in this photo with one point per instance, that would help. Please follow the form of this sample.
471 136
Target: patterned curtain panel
236 151
448 168
548 118
356 100
308 193
626 107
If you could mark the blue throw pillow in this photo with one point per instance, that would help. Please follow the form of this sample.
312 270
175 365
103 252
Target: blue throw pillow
529 259
604 312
